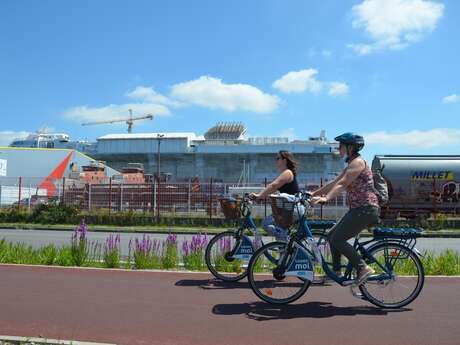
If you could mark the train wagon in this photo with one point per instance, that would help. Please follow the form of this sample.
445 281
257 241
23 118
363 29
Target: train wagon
420 186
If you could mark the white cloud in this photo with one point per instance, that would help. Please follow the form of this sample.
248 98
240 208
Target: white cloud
151 102
305 80
212 93
149 95
337 88
394 24
298 81
6 137
438 137
114 111
450 99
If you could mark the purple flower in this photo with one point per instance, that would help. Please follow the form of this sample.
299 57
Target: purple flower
185 248
113 243
171 239
80 232
199 242
145 245
224 244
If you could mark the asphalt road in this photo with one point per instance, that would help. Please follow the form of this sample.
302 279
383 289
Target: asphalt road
139 307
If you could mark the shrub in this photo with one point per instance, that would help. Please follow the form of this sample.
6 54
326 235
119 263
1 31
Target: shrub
14 215
54 213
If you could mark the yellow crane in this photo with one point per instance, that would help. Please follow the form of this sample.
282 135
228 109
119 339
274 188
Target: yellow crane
129 121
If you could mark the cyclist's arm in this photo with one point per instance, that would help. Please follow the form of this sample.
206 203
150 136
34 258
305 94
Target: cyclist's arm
285 177
326 189
351 173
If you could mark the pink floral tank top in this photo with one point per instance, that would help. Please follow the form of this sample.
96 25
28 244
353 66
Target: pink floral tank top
361 191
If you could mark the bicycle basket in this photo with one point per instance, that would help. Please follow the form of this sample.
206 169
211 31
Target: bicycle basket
282 211
231 208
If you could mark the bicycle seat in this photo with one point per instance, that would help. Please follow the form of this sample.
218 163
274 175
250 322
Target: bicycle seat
397 232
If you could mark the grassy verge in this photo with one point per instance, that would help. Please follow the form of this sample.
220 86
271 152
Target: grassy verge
146 253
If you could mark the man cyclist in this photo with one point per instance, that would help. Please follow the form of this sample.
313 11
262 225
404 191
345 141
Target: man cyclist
357 180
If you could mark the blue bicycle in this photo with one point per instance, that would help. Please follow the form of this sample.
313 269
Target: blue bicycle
398 280
227 254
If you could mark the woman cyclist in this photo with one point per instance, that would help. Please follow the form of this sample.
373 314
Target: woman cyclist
286 182
357 180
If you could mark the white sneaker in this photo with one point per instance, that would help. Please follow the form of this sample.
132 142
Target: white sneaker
363 274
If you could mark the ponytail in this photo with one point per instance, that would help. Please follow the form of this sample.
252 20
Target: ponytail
291 163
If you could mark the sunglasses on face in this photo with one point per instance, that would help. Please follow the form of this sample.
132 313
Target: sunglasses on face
278 158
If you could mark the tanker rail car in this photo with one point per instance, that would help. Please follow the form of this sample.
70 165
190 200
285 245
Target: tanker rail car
420 186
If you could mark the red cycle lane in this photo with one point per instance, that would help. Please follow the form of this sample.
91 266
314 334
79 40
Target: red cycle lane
140 307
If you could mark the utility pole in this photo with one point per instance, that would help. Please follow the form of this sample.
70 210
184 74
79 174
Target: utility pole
159 137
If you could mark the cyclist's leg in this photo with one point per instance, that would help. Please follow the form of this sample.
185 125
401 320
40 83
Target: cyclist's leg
354 221
335 253
273 230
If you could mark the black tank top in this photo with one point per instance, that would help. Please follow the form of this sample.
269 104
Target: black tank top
291 187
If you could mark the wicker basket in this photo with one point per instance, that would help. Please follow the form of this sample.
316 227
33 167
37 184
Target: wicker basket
282 211
231 208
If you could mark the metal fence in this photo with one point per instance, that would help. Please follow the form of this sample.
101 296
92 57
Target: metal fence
161 198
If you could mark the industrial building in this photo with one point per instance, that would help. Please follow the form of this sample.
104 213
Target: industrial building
223 153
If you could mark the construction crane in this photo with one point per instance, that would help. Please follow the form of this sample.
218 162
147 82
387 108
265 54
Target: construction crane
129 121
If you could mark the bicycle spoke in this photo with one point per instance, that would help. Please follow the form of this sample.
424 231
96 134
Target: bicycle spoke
269 286
395 288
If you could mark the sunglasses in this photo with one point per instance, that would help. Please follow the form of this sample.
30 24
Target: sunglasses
278 158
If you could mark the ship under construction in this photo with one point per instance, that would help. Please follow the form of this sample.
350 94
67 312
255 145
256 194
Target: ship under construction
224 153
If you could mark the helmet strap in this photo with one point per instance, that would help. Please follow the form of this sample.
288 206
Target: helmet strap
352 157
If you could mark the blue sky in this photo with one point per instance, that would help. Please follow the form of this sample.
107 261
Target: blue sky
385 68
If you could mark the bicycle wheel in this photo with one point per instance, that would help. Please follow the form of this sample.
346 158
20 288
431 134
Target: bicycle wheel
275 290
220 263
402 282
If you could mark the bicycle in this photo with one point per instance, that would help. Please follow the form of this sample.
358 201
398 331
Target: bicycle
227 254
389 252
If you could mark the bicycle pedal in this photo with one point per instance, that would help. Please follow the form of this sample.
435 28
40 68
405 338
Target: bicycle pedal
350 282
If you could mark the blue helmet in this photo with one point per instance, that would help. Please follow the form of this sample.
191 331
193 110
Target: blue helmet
351 139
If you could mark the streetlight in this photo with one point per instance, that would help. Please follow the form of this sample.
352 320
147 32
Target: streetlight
159 138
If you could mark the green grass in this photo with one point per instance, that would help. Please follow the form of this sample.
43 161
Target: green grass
446 263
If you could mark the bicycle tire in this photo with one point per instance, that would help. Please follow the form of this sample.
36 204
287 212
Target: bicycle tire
364 288
214 271
255 288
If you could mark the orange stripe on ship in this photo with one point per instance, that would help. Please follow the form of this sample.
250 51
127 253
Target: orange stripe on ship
57 174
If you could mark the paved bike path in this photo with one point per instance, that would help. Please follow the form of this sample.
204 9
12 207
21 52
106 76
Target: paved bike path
134 307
